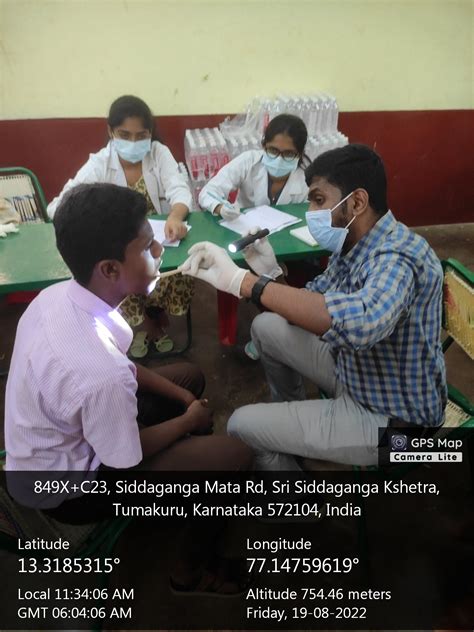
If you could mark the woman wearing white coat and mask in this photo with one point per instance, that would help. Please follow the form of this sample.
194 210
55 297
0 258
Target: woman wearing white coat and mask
271 175
134 159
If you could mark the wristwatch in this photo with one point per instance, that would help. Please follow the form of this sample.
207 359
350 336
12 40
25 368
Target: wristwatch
258 288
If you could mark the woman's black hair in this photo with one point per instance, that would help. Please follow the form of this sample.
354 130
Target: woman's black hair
293 127
127 106
96 222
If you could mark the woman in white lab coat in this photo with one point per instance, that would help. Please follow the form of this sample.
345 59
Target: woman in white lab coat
271 175
134 158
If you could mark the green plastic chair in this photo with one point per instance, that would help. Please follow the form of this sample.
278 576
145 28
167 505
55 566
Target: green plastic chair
22 189
458 319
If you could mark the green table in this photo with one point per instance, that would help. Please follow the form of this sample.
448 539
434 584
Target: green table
29 260
205 227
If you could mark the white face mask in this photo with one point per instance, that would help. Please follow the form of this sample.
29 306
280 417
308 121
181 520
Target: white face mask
278 167
132 151
320 226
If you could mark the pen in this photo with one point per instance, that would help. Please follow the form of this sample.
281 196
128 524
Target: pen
220 200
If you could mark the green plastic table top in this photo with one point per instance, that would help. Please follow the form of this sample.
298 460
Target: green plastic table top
29 260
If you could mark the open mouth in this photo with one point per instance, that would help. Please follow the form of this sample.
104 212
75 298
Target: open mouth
158 266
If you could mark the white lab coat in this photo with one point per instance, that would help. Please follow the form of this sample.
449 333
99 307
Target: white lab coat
250 176
165 185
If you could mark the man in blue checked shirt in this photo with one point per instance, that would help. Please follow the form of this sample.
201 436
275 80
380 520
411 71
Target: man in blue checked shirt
366 331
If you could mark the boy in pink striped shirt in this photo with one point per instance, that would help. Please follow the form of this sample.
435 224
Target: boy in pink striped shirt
73 397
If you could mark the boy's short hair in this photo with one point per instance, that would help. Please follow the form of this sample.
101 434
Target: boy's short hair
96 222
352 167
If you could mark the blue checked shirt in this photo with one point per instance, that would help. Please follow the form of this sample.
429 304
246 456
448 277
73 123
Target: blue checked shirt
385 299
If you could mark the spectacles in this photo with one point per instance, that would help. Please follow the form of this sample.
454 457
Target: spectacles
287 154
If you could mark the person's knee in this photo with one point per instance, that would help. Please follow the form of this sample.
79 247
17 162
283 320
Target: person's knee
191 378
239 424
265 327
197 380
236 431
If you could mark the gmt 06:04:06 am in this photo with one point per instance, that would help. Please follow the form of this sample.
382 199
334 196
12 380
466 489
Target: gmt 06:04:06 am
73 613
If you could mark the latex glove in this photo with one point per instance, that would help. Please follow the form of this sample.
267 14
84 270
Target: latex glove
229 211
7 228
212 264
175 229
261 258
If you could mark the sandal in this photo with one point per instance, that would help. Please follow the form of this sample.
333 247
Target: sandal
251 351
139 346
225 578
164 344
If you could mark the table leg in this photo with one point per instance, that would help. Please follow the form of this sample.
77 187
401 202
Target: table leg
227 314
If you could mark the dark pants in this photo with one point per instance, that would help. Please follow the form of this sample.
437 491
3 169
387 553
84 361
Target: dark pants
190 453
154 409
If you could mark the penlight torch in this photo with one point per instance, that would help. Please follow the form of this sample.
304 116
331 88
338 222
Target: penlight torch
243 242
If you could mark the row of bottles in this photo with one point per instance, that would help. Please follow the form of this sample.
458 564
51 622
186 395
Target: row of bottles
207 150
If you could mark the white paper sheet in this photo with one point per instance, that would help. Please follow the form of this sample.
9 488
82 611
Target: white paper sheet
263 216
158 226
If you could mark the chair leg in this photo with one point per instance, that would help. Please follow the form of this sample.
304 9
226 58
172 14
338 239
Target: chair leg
187 344
227 313
189 330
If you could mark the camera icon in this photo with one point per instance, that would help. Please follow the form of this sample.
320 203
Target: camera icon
399 442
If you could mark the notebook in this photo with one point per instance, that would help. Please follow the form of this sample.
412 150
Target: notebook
262 216
304 235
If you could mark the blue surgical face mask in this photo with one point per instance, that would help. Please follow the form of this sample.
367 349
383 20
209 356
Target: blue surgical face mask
320 226
279 167
132 151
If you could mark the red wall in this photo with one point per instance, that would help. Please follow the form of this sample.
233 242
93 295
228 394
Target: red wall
428 154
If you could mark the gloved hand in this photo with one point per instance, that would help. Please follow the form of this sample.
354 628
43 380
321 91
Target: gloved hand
229 211
7 228
261 258
212 264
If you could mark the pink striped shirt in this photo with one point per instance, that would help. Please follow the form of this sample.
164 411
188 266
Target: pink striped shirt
71 392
